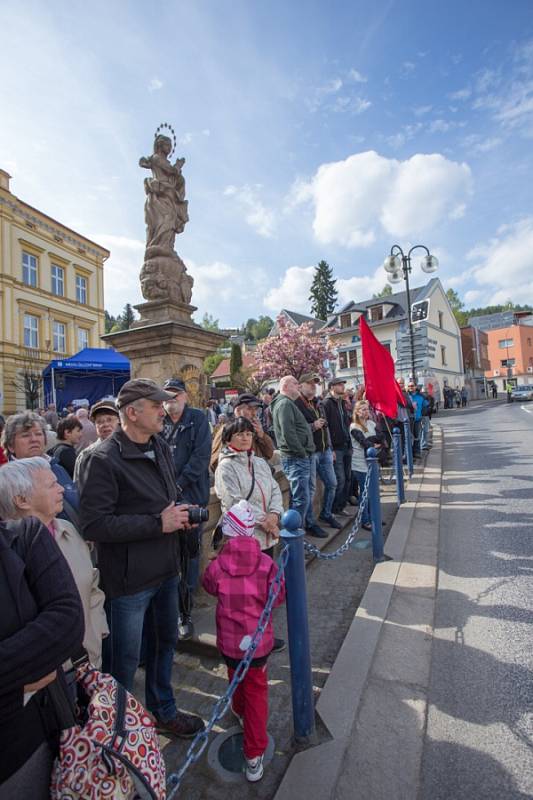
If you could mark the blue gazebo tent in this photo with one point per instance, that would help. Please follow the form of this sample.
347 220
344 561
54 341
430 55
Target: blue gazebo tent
91 374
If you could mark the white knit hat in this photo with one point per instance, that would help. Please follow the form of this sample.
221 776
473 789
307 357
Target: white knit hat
239 520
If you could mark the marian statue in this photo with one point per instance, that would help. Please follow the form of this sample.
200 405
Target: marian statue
164 275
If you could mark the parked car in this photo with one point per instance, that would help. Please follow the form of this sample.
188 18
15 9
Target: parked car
522 393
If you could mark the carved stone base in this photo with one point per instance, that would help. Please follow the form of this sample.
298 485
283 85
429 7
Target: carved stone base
164 277
163 311
168 349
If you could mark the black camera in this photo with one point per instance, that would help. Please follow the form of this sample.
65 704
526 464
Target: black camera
198 515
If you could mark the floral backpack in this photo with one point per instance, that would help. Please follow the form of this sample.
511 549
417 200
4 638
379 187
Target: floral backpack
113 752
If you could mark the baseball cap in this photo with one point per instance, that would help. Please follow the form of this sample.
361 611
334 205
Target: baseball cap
239 520
103 407
335 381
247 399
309 377
140 389
175 385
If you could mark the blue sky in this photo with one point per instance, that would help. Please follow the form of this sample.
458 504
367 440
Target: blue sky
310 130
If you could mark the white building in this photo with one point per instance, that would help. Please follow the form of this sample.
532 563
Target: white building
438 356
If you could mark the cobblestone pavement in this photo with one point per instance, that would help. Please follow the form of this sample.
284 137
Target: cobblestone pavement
334 591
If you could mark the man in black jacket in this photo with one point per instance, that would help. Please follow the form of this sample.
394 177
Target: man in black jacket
339 430
186 431
322 458
128 507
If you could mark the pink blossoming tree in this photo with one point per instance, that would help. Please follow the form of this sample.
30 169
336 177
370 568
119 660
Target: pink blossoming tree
292 351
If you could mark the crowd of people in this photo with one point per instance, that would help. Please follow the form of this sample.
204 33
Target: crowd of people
101 529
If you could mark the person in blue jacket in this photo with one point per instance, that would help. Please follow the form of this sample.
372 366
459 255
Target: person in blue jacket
418 404
187 432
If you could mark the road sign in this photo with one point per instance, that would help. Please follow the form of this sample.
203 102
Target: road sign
420 311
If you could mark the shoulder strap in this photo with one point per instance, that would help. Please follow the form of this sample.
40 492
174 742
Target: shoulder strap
253 482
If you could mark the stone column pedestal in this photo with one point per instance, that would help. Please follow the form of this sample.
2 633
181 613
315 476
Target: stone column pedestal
166 343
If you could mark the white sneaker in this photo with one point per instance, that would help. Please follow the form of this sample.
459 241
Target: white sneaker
254 769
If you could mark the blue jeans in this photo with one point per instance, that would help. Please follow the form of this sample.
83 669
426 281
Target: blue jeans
298 472
360 477
424 433
343 472
323 464
157 609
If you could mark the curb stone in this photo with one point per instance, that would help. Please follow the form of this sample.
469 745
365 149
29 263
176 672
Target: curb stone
374 702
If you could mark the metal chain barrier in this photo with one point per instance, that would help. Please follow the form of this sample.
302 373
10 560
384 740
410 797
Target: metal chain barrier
311 548
200 741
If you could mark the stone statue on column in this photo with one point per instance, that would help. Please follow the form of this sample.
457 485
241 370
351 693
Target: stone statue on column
163 274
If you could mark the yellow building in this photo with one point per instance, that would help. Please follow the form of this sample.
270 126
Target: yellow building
51 296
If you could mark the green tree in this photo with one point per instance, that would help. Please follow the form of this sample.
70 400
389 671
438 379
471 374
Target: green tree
385 292
211 362
110 321
457 307
262 328
210 323
323 292
127 318
235 362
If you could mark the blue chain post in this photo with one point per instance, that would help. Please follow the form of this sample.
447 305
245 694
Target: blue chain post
408 446
303 707
398 468
374 504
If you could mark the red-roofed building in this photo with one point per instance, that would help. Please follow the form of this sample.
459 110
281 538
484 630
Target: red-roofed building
221 375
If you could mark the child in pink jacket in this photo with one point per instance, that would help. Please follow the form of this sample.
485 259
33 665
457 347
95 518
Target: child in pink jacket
240 577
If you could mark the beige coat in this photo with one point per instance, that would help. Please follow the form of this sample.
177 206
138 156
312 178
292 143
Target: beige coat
233 481
86 577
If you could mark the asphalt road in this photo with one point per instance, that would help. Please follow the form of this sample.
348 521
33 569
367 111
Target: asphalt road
479 742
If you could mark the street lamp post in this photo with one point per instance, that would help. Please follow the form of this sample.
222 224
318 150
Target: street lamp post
397 265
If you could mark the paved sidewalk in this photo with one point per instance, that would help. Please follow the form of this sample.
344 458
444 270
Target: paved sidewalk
374 703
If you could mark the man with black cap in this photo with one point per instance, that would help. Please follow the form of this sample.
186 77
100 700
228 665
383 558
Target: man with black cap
104 416
339 430
186 431
263 446
128 507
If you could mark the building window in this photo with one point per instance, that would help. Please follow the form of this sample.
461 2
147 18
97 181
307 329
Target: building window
352 359
81 289
83 338
504 343
386 345
31 331
58 280
376 313
529 341
29 269
508 362
58 329
441 319
443 355
346 320
343 360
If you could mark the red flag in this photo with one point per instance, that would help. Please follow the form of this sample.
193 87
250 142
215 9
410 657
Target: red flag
381 389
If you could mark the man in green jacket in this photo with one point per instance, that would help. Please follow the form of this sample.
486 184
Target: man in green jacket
296 446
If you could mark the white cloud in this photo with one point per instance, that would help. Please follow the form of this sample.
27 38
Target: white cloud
504 264
439 126
460 94
355 76
472 296
356 198
155 84
292 292
121 271
477 145
257 215
419 111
